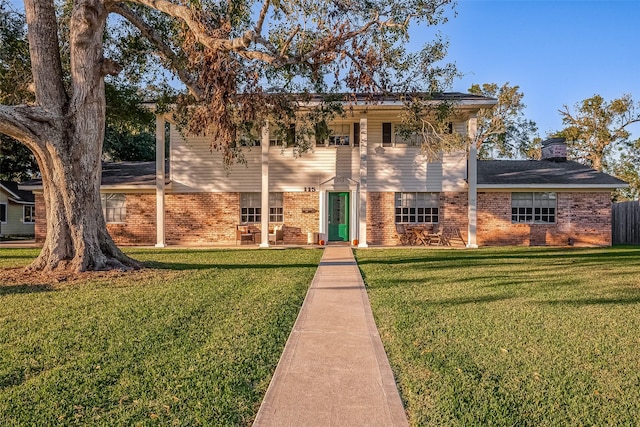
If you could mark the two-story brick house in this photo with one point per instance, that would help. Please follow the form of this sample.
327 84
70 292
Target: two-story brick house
354 186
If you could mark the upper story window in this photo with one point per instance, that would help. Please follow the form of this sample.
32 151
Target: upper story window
393 134
28 214
386 135
114 207
283 137
340 134
533 208
414 208
407 138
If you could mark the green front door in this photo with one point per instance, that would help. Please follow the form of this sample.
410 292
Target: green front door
338 217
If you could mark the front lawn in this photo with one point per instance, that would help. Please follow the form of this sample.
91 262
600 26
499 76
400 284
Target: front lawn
511 336
193 340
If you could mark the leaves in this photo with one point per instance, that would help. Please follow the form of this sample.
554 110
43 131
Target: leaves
504 131
597 128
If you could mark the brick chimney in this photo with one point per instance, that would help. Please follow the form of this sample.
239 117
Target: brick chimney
554 149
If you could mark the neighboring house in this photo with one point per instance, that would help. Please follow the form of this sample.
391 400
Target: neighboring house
17 210
355 186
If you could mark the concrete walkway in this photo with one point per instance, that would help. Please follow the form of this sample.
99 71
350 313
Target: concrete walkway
333 371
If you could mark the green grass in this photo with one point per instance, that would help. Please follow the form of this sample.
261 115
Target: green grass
511 336
192 341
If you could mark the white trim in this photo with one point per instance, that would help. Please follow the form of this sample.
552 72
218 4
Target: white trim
362 211
160 182
6 212
472 179
20 202
554 186
33 214
9 191
264 194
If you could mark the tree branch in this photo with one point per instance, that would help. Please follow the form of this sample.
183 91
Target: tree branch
199 31
164 49
21 122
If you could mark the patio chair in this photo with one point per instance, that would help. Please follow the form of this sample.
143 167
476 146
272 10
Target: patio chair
453 233
277 235
243 235
403 234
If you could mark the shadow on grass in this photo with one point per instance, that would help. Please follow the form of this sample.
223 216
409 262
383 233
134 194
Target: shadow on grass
502 256
24 289
578 302
210 266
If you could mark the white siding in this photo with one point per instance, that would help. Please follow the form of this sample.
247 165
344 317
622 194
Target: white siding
14 224
405 168
287 173
195 168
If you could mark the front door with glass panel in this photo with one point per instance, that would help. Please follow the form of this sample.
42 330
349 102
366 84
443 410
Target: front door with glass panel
339 217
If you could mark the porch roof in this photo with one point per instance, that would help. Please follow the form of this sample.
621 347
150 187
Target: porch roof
16 194
542 173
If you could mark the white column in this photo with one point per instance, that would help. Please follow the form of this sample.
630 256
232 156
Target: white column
354 218
160 178
323 225
362 211
472 178
264 206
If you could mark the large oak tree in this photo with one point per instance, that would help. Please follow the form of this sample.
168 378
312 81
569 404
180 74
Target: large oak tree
227 54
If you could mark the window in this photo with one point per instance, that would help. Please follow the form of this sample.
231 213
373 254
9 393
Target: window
3 212
408 139
386 134
339 134
276 211
251 208
283 137
417 207
29 214
356 134
114 207
536 208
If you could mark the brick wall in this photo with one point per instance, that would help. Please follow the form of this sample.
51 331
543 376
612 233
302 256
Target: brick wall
140 225
381 228
301 216
201 218
583 219
211 218
41 219
139 228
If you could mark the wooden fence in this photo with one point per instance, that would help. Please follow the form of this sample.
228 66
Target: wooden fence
625 223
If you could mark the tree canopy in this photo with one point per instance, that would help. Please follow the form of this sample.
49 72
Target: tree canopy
504 131
598 127
240 61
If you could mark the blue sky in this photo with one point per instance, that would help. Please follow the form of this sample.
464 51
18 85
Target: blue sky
558 52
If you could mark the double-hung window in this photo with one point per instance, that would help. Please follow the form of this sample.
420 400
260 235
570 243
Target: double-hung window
412 208
251 208
339 134
276 209
3 212
28 214
533 208
114 207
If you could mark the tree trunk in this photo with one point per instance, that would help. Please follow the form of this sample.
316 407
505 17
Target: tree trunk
68 145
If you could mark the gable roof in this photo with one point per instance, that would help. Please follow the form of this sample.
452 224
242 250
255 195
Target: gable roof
15 194
542 174
141 175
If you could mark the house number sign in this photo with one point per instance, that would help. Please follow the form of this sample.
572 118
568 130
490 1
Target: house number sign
309 189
